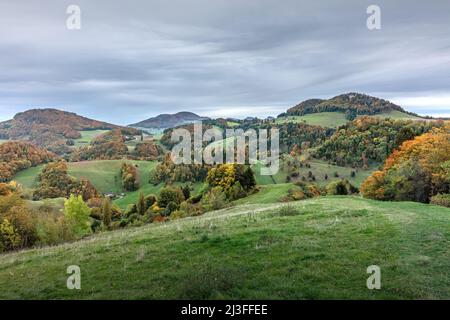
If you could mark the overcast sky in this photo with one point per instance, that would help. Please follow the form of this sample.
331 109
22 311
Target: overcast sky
137 58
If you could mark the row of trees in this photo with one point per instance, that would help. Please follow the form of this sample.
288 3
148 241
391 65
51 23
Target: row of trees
20 155
55 182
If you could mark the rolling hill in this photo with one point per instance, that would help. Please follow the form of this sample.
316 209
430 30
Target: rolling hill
353 104
313 249
165 121
51 128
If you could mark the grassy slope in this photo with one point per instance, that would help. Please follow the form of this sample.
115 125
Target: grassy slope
252 252
87 136
397 115
319 169
335 119
103 174
324 119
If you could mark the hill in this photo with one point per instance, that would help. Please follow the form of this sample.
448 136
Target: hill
353 104
313 249
50 128
165 121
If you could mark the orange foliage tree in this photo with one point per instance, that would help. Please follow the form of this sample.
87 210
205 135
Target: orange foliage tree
416 171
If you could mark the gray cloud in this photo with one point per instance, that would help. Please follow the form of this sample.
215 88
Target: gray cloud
221 57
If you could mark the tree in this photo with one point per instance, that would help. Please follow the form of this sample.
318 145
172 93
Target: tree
9 238
169 194
141 205
415 172
106 212
77 214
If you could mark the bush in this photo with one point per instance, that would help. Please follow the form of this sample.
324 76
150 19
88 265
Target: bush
441 200
10 238
150 200
168 194
171 207
129 176
214 199
342 187
77 214
288 210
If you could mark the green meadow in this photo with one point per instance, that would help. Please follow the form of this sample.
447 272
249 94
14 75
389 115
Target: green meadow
312 249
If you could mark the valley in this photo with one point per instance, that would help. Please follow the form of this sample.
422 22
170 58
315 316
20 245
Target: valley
361 182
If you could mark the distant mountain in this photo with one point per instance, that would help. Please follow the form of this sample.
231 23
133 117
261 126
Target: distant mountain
165 121
356 103
49 128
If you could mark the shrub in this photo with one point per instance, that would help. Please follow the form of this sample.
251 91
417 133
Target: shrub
77 214
150 200
214 199
141 205
106 212
342 187
10 239
288 210
171 207
169 194
129 176
441 200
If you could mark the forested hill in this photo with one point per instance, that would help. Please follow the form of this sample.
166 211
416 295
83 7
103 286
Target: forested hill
356 103
49 127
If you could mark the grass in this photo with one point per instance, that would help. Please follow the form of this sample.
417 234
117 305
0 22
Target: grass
87 136
319 169
320 249
336 119
397 115
324 119
3 141
267 194
103 174
28 178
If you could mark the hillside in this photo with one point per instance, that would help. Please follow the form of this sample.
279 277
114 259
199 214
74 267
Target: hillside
165 121
352 104
316 249
50 128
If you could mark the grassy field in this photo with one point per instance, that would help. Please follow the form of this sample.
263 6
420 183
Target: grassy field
269 193
397 115
319 169
103 174
87 136
336 119
319 249
28 178
324 119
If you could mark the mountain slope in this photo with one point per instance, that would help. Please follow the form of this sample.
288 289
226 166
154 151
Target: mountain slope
49 128
164 121
319 250
356 103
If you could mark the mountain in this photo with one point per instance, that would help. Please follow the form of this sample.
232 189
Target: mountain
164 121
353 103
49 127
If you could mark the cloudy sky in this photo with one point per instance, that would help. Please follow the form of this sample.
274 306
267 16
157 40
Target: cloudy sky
137 58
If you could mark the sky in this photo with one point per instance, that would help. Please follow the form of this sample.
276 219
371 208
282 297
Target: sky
220 58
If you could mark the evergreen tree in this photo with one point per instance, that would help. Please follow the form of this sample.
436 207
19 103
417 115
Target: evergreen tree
106 212
141 204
